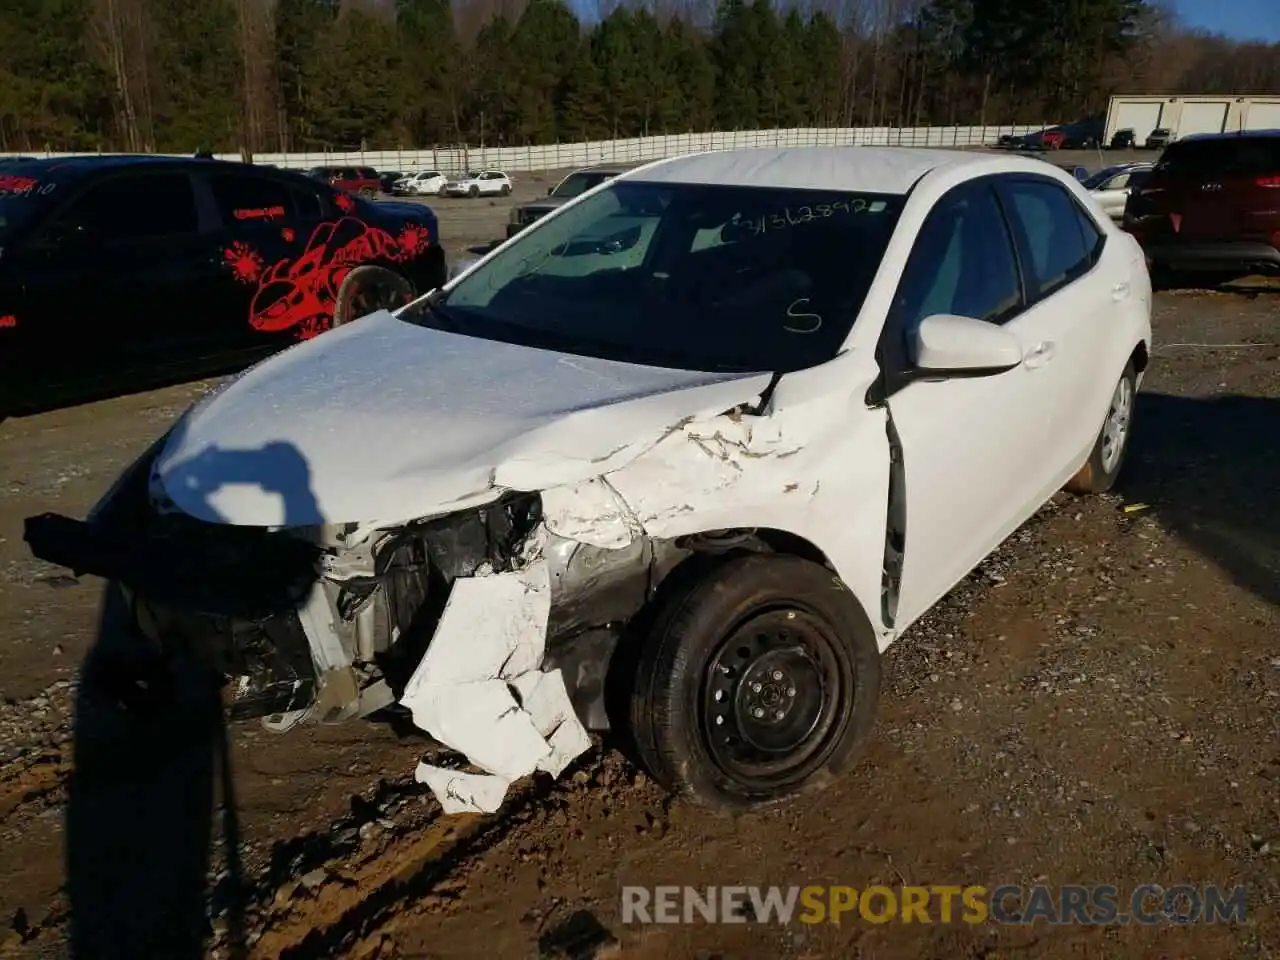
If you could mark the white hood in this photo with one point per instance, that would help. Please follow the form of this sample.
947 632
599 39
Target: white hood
386 421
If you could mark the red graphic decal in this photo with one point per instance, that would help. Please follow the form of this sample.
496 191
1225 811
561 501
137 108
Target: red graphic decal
245 262
414 239
345 202
258 213
288 234
300 294
12 183
8 321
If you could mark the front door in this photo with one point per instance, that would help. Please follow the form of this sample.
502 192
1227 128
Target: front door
972 447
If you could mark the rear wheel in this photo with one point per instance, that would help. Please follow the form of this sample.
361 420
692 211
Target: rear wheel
369 289
442 192
756 682
473 192
1099 473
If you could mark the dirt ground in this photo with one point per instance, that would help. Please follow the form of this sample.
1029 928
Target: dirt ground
1098 703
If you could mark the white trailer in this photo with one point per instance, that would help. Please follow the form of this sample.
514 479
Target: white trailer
1185 115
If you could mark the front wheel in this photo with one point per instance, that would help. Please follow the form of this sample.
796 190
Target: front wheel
1099 473
473 192
758 681
506 190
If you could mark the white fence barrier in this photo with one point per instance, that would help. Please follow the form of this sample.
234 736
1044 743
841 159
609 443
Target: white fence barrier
557 156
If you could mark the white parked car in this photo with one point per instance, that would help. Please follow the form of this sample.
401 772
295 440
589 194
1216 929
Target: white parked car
479 183
422 184
700 444
1111 187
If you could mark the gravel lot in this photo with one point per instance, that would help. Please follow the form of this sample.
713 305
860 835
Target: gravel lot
1100 702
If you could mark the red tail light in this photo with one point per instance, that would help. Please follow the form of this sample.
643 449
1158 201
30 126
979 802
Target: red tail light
1273 181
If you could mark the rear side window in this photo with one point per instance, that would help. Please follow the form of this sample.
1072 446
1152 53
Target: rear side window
135 206
1229 157
251 199
368 173
1048 225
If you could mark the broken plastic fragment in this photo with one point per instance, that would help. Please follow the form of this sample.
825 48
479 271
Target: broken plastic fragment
462 792
486 651
1136 507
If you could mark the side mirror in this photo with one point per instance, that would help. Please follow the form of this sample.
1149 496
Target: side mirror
947 344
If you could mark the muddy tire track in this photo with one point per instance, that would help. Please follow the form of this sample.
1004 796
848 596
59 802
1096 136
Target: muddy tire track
345 905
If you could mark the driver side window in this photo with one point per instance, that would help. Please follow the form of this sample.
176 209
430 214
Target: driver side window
129 207
963 262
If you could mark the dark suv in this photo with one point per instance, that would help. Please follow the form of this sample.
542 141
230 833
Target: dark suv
128 271
1212 205
578 182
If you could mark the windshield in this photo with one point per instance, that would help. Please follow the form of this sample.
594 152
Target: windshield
701 277
22 198
578 183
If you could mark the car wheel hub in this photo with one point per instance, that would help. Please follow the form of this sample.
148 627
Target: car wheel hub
1116 430
772 697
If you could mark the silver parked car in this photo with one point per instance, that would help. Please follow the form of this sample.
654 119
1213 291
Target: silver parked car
1111 187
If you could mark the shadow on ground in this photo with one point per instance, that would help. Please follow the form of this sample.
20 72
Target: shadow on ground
1210 469
152 771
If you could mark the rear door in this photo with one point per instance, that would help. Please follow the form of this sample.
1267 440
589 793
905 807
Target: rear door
271 245
1072 295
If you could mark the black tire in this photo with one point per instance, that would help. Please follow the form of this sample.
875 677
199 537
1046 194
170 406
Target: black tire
1099 473
368 192
506 189
756 632
473 192
442 192
368 289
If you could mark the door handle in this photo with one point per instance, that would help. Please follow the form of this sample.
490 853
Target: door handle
1120 290
1040 354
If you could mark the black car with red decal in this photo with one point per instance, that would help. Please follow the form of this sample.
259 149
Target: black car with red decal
124 272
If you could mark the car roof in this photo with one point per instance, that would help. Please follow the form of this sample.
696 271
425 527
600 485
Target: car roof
873 169
1233 135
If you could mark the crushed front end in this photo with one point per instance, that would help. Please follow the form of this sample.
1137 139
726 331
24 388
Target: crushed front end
445 619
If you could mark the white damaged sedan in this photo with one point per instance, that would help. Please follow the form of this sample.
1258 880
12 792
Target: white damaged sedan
681 459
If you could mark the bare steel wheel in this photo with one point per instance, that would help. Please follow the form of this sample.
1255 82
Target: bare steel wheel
759 679
1100 471
367 290
772 695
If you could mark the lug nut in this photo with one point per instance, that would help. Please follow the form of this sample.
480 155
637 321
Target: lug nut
791 691
758 712
719 721
777 674
756 688
779 715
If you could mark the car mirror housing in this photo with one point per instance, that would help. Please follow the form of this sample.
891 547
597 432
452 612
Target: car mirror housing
946 344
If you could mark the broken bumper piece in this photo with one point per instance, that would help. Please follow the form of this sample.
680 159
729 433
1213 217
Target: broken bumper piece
480 691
